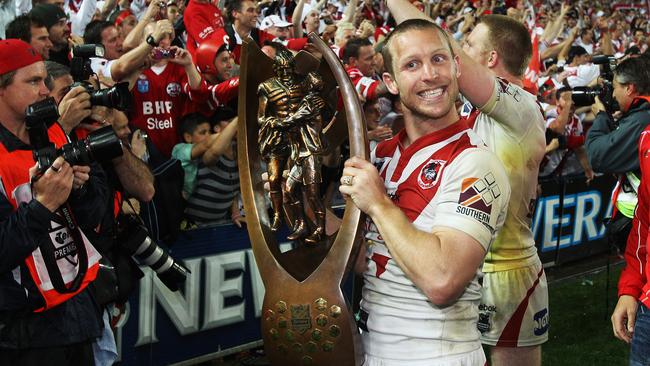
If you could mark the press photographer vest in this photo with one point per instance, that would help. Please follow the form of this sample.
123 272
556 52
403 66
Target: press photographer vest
55 266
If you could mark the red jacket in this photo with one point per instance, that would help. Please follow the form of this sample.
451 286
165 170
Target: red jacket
202 20
635 279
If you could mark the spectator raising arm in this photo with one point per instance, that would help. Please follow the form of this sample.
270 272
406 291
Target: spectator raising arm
221 144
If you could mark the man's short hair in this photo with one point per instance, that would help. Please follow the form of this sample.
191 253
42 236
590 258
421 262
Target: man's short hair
352 48
574 52
21 27
190 122
232 5
341 27
54 71
511 40
94 29
634 70
7 78
558 93
408 25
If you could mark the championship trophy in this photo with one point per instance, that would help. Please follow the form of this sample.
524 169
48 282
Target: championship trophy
289 120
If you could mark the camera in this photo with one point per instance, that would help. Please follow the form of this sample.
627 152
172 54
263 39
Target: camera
161 53
583 96
608 65
117 96
100 145
134 238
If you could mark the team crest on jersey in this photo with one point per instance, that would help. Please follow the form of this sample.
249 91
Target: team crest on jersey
142 84
430 173
173 89
476 197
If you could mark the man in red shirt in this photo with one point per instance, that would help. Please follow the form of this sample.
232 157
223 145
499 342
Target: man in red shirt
160 93
359 60
202 19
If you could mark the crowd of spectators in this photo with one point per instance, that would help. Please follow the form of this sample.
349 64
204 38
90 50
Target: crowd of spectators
181 58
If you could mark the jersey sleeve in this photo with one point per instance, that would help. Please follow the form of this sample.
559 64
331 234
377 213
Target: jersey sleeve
513 107
473 196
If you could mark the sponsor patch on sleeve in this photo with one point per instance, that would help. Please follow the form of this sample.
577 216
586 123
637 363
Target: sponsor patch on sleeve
476 198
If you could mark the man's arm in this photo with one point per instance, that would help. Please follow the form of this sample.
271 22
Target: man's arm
134 59
441 262
221 144
613 151
136 35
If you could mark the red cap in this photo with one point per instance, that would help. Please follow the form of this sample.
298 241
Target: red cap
208 50
123 15
15 54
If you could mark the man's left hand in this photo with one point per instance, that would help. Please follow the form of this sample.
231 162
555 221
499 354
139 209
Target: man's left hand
81 175
365 186
181 57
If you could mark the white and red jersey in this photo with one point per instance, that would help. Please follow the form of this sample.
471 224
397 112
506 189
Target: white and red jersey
202 21
159 95
445 179
512 125
365 86
570 163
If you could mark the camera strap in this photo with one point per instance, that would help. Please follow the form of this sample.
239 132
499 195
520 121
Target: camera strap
50 255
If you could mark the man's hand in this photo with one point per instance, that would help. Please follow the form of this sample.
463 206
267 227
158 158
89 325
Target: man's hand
623 317
152 11
53 187
380 133
74 108
181 57
365 186
81 175
597 107
163 28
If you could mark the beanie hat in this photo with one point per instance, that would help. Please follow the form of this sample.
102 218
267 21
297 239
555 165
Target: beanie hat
48 14
15 53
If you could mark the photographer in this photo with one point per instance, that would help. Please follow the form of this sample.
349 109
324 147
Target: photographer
36 322
617 151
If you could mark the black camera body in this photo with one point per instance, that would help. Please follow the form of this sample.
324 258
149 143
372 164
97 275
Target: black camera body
100 145
116 97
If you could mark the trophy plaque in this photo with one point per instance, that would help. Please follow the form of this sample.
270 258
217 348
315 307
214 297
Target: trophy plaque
284 122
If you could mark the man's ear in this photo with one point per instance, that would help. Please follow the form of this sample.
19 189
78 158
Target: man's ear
187 137
457 65
352 61
493 59
391 85
630 90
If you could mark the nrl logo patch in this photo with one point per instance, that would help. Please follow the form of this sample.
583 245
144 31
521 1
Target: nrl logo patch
300 318
430 173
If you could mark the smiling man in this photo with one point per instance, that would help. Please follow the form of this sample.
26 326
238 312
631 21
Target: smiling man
435 197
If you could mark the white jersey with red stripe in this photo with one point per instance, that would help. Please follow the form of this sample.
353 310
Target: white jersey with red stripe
445 179
364 85
512 125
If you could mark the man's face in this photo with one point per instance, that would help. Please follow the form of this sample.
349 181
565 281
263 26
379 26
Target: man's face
41 41
280 32
587 38
223 65
366 61
312 21
247 15
127 25
347 34
425 74
622 95
59 32
475 44
27 87
61 87
112 43
173 13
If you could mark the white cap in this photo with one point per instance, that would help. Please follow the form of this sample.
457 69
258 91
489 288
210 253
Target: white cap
273 21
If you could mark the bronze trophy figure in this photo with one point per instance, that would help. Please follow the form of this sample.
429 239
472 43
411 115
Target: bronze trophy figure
305 317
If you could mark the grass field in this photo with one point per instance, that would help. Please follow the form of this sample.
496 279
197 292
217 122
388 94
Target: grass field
580 327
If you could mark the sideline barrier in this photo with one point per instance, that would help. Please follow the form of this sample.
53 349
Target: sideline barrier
218 312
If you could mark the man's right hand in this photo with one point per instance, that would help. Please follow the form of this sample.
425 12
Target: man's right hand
53 187
153 10
163 28
624 317
74 108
